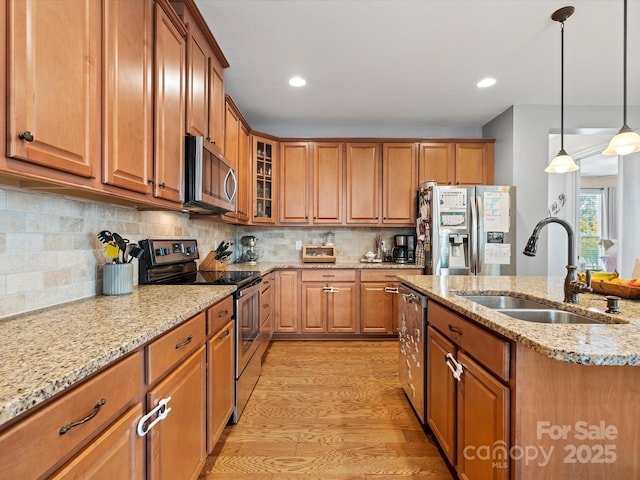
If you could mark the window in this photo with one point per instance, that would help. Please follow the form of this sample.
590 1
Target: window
596 227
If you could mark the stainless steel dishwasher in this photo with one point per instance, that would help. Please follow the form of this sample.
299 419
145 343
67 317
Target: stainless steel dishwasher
412 332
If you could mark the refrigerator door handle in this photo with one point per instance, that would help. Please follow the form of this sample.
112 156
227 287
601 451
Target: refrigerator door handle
474 264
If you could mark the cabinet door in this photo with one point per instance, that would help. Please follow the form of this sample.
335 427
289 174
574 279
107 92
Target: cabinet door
472 164
378 307
221 382
483 421
264 180
231 132
127 101
441 393
177 445
399 183
294 181
287 301
244 175
314 308
53 90
117 453
363 182
437 162
342 308
197 81
216 108
328 183
170 77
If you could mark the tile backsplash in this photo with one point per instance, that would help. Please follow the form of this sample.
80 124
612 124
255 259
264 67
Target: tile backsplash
50 252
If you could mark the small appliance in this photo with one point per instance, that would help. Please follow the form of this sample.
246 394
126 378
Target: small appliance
404 250
250 254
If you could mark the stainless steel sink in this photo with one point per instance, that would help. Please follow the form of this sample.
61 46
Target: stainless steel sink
548 316
504 301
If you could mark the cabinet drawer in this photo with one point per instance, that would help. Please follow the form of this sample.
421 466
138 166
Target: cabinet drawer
174 346
488 349
35 445
328 275
219 315
388 275
268 281
266 305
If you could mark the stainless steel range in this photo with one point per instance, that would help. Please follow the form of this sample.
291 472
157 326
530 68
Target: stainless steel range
173 262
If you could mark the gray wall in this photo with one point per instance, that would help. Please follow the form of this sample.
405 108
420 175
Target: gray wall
522 153
629 175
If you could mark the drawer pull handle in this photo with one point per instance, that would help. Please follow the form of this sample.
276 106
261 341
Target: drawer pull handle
96 410
327 275
27 136
186 342
455 329
223 313
266 305
391 290
160 412
224 335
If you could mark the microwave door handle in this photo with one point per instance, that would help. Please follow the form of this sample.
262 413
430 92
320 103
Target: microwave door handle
232 175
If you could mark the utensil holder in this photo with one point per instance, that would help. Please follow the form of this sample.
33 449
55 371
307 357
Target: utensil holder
117 278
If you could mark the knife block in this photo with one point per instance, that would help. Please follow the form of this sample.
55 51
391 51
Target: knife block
117 278
211 264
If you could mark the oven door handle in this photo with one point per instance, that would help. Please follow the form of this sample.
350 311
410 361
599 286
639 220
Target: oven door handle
243 291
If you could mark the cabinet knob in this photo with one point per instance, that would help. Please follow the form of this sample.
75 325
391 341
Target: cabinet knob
27 136
151 181
208 139
162 185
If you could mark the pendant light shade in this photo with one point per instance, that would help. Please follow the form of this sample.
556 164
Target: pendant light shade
562 162
626 141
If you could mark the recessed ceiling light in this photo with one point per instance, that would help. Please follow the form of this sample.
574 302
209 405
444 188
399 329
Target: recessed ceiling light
486 82
297 82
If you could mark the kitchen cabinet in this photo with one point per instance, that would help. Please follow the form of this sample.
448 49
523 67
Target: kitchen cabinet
236 147
399 183
468 393
205 113
328 183
177 445
287 301
35 445
220 369
127 108
169 100
117 453
264 180
294 182
267 308
363 183
457 163
53 97
329 301
379 300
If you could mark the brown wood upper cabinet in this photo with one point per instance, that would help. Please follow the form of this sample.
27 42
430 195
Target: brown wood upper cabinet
328 183
399 183
264 168
461 163
53 98
363 183
205 88
294 182
237 148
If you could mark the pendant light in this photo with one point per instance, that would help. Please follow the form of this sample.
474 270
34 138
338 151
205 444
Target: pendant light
562 162
626 141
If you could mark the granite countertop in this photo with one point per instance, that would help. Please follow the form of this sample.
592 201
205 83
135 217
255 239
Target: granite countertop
616 342
266 267
46 351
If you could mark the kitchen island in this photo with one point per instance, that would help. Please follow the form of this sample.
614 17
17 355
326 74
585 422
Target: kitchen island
569 402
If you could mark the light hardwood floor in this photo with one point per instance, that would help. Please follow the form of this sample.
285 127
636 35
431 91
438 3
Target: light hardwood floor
330 411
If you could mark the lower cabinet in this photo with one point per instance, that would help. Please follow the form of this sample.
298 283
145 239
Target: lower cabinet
287 301
329 301
379 299
177 445
468 395
267 300
117 453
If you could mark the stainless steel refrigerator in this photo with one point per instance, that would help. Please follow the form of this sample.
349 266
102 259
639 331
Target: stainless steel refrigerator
467 230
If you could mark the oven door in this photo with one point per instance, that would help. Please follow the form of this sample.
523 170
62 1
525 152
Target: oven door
247 325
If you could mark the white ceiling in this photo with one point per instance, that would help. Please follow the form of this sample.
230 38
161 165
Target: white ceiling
415 63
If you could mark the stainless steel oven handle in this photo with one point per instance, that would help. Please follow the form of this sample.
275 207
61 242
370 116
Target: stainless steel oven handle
231 174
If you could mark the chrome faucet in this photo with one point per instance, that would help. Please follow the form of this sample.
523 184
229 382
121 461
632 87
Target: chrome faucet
572 286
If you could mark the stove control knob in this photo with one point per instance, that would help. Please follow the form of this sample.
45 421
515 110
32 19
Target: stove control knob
160 252
191 249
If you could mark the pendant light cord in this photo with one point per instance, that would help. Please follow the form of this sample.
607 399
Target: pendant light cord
624 69
562 86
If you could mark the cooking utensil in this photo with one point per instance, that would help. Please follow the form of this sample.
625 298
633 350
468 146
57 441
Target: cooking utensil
134 252
121 243
112 251
105 236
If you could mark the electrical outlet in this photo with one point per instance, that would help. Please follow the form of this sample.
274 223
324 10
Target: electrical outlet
298 244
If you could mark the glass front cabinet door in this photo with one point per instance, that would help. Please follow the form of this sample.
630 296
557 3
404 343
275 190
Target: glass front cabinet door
264 168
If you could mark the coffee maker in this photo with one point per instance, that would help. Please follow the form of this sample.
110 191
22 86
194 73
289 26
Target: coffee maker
404 250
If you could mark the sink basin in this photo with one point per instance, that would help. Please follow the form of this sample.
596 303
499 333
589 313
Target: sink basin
504 301
548 316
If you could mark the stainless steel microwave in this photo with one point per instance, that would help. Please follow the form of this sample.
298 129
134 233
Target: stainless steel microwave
210 183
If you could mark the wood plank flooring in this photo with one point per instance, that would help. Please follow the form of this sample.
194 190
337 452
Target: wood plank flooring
331 411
